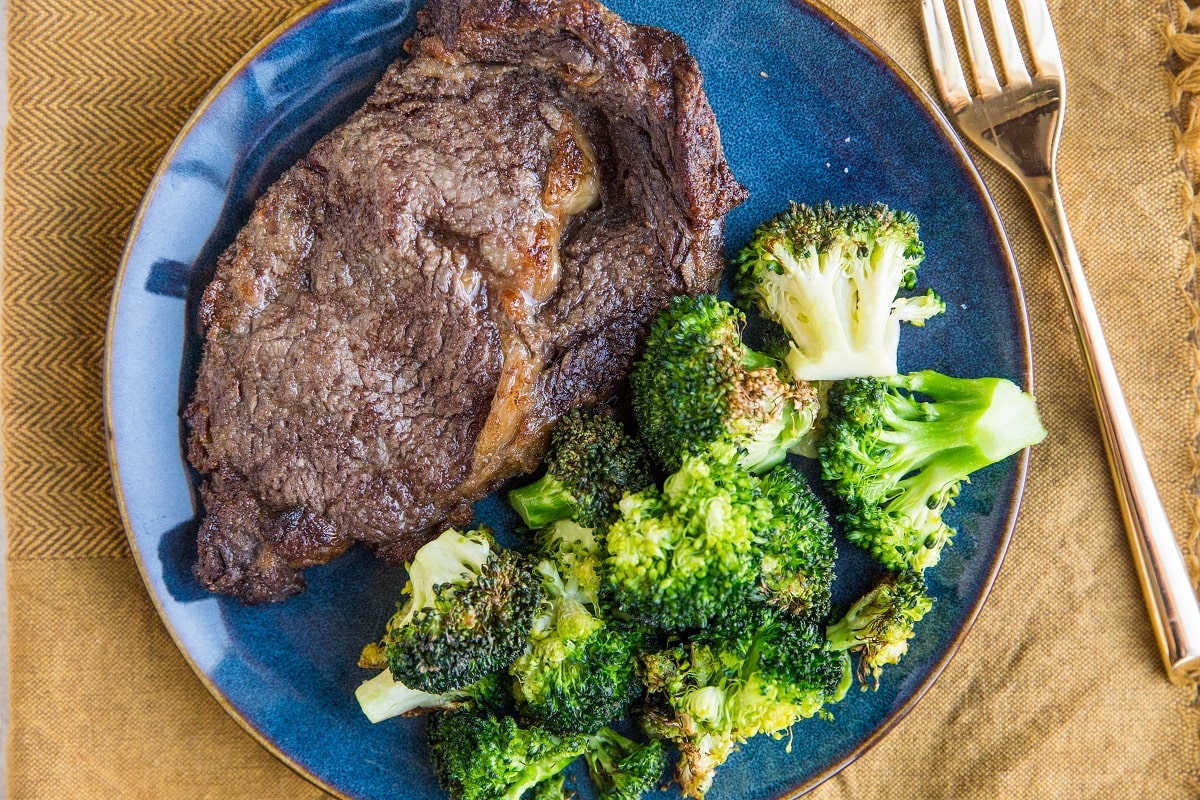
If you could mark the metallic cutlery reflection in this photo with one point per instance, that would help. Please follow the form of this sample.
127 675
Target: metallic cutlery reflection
1018 124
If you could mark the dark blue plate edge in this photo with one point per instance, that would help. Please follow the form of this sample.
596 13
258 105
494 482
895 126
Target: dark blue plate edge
110 440
916 93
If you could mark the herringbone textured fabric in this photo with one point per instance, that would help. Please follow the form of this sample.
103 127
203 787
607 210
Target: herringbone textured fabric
1056 693
97 92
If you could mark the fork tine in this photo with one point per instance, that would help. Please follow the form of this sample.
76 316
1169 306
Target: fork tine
1011 59
977 51
1042 42
944 55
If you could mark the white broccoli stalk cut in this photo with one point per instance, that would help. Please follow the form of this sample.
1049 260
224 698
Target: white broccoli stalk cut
831 277
384 697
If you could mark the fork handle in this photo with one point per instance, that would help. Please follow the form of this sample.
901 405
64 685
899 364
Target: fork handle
1165 581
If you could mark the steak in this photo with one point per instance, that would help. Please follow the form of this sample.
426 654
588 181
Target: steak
413 304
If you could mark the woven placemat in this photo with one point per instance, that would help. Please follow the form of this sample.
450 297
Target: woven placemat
1056 693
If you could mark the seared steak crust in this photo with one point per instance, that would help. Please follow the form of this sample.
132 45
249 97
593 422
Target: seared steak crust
413 304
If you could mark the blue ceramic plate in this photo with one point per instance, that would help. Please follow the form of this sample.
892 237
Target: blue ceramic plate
809 110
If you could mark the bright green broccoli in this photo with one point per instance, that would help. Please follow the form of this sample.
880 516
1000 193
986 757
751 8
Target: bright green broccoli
573 545
623 769
798 554
482 757
579 675
830 277
591 463
880 623
698 385
713 693
469 613
579 672
383 697
896 449
683 555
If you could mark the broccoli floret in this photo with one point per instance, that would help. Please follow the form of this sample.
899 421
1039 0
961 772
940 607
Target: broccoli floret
713 693
481 757
830 276
697 384
580 684
896 449
383 697
799 553
470 609
623 769
683 555
554 788
576 552
591 463
580 671
880 623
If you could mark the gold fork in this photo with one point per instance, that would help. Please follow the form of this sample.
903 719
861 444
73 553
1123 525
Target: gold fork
1018 124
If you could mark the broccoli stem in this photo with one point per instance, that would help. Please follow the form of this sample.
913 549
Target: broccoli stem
973 423
752 359
1009 420
537 772
847 680
764 452
621 768
554 788
607 748
383 697
544 501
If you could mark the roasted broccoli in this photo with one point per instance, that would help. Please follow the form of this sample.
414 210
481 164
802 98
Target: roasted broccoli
798 552
623 769
591 463
483 757
701 603
712 693
697 385
896 449
830 276
470 609
383 697
683 555
579 672
580 675
880 623
553 788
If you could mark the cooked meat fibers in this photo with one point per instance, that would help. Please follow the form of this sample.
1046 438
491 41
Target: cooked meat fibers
411 306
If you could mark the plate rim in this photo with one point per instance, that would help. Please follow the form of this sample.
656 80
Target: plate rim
933 109
160 172
966 163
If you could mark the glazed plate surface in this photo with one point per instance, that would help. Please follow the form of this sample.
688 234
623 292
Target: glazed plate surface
809 111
